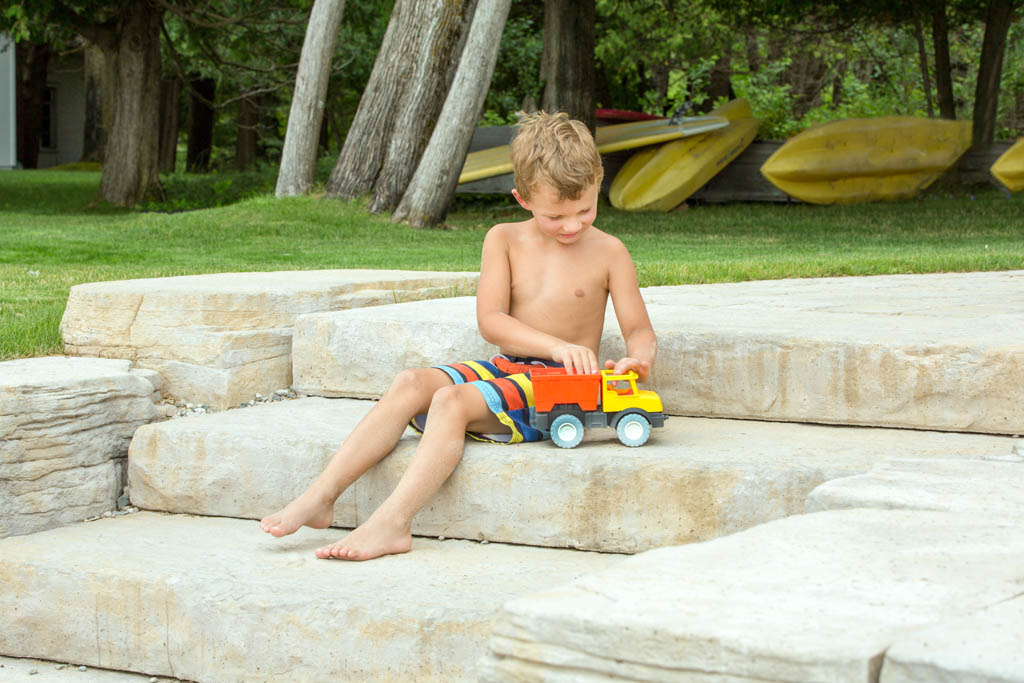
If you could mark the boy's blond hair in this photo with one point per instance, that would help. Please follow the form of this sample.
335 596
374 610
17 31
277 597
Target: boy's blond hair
554 150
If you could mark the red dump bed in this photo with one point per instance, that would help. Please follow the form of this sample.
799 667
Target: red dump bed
552 386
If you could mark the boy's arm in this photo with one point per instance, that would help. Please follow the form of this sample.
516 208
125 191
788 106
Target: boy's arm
631 312
493 300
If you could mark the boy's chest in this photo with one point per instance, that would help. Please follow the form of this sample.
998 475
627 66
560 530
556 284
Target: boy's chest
558 282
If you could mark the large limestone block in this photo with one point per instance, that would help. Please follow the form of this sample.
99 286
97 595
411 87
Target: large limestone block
357 353
65 424
206 599
920 351
984 647
220 338
993 485
809 598
695 479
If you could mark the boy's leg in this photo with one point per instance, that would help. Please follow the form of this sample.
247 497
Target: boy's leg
373 438
388 530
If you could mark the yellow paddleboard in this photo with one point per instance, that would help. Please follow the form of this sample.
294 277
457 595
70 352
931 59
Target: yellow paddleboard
661 178
860 160
1009 168
498 160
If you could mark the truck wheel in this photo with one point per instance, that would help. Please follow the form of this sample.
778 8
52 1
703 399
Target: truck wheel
633 430
567 431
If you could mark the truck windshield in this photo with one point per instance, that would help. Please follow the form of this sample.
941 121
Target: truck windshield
621 387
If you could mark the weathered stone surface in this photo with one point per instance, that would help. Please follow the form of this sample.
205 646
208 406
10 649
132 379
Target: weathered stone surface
65 424
39 671
809 598
207 599
920 351
695 479
984 647
956 484
221 338
329 349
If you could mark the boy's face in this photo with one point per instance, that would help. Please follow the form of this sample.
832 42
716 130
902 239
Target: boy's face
563 220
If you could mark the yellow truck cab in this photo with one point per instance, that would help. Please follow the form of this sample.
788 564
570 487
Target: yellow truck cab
619 392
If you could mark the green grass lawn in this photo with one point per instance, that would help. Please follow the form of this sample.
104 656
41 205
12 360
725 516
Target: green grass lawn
51 238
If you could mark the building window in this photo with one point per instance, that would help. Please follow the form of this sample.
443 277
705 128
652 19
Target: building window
48 139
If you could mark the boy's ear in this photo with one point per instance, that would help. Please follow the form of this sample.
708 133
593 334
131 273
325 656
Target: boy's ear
522 202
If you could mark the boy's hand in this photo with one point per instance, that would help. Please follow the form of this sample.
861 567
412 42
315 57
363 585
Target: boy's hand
641 367
578 360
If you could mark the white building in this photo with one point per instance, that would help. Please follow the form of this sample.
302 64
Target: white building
8 105
63 114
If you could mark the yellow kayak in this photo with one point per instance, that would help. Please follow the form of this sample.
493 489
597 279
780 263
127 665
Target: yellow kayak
498 160
661 178
1009 168
860 160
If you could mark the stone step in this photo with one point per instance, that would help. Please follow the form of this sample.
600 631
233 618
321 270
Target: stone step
994 485
65 424
981 647
938 352
695 479
820 597
220 338
206 599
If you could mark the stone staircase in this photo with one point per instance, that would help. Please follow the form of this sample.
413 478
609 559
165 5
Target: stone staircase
762 550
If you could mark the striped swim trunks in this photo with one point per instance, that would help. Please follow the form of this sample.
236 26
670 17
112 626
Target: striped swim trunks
506 387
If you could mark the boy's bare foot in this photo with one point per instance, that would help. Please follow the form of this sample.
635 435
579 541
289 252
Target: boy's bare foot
375 537
306 510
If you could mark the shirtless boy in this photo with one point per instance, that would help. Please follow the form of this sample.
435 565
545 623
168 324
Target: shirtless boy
544 286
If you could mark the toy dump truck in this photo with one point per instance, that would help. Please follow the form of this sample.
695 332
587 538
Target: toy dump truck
566 404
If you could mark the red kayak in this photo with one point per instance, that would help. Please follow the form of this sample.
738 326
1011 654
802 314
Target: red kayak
608 116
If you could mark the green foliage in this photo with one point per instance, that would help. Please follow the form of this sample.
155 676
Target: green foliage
653 55
193 191
770 99
517 71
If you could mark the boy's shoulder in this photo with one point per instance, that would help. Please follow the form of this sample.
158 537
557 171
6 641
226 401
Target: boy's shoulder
509 229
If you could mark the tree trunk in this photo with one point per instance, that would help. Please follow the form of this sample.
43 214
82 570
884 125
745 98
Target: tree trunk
170 91
200 127
990 70
247 136
32 62
719 82
922 59
943 70
97 95
750 43
368 138
837 85
422 99
130 162
298 158
432 187
567 62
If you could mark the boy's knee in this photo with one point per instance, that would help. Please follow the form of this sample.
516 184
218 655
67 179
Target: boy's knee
455 402
412 382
